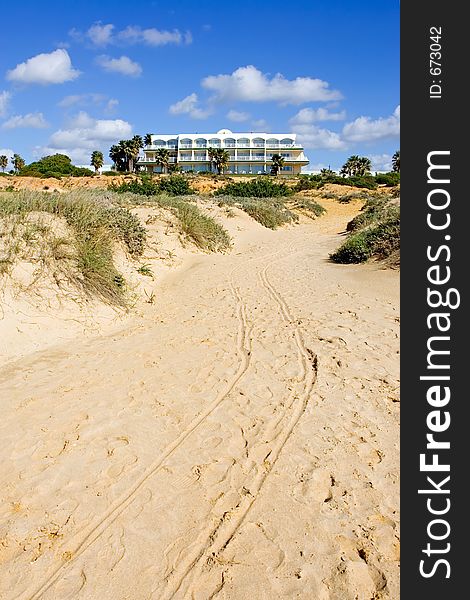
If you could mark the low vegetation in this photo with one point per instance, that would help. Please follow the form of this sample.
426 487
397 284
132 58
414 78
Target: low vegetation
73 235
174 185
57 165
270 212
261 187
92 227
201 228
374 233
310 208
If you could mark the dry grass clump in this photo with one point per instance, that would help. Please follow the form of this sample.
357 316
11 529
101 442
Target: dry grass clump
193 223
72 235
85 250
202 229
270 212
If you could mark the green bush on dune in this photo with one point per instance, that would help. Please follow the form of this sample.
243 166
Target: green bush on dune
379 240
175 185
261 187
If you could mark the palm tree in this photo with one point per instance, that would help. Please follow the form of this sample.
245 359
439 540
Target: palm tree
18 162
327 173
3 162
116 155
356 166
278 163
97 160
396 161
221 158
148 139
136 143
212 153
162 158
363 166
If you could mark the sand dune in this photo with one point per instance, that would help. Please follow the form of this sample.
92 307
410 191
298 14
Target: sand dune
236 439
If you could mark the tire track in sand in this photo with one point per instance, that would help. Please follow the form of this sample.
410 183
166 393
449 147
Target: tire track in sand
215 538
88 535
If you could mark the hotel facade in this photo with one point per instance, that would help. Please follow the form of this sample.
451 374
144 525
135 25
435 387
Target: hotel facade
249 153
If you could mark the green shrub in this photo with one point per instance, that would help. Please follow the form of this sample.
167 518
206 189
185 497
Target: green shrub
111 173
55 165
379 208
308 182
389 179
82 172
261 187
175 185
144 187
379 240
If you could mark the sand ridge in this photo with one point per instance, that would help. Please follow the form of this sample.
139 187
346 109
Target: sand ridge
237 440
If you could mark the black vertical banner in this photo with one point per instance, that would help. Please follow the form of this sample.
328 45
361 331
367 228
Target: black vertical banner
435 203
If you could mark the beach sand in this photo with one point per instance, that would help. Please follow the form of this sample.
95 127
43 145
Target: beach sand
235 439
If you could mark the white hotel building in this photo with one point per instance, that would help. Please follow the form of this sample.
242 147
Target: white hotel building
250 153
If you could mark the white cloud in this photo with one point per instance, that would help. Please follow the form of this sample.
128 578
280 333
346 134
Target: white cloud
123 65
4 101
55 67
84 135
33 120
103 35
248 84
189 106
133 34
365 129
111 105
237 116
312 136
260 125
100 35
311 115
81 99
381 162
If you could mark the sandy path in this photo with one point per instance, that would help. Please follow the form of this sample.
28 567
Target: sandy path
239 442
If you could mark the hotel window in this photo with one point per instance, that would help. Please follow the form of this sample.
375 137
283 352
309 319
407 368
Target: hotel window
214 143
272 143
287 142
258 143
243 142
186 143
201 143
159 143
229 143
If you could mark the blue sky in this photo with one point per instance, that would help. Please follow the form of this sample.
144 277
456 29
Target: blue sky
79 76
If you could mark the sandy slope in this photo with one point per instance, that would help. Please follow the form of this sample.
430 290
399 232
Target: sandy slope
239 440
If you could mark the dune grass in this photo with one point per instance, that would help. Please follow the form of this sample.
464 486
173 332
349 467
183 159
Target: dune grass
196 225
92 229
90 223
201 228
310 208
269 212
374 233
